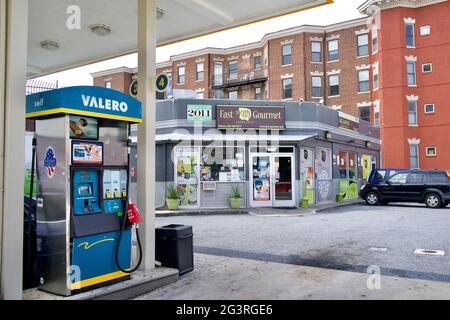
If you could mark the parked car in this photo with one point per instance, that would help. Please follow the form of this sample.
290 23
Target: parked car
381 175
429 187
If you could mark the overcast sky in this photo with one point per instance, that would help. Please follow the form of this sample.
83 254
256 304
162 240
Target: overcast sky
341 10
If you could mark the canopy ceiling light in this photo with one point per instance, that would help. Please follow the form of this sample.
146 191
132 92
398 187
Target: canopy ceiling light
101 29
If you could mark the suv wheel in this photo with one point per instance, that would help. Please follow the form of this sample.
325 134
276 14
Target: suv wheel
433 201
372 198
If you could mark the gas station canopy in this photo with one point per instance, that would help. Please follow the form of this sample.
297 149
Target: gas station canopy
177 20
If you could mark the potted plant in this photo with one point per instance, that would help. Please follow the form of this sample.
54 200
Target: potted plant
173 198
236 197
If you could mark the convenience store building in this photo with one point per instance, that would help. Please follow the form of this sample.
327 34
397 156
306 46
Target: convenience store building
276 153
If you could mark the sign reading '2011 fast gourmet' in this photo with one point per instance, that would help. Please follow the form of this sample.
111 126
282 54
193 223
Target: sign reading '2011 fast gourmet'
248 117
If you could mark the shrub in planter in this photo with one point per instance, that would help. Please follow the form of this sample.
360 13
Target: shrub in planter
236 197
173 198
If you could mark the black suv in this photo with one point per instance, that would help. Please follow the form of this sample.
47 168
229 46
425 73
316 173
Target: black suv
429 187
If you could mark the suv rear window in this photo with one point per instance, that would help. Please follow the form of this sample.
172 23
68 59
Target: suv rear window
439 178
380 174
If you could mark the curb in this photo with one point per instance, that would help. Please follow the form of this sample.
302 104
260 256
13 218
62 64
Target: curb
200 213
340 205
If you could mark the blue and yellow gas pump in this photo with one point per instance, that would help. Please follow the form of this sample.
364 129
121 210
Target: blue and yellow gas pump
82 148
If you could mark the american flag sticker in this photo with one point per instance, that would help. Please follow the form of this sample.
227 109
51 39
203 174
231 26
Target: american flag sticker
50 162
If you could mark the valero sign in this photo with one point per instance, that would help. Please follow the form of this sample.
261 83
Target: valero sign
248 117
95 102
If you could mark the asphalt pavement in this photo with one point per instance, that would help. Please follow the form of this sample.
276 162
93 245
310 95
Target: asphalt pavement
347 239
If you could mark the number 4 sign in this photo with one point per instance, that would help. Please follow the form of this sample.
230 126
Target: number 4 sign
162 83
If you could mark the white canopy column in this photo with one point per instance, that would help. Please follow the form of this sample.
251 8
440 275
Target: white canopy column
146 137
13 70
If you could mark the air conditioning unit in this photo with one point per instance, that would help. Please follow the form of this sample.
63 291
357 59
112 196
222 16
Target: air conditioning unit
209 186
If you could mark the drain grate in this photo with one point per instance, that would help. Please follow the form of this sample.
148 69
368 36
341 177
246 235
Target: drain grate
430 252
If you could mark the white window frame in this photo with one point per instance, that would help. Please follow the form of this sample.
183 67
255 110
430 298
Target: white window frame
261 93
235 74
426 64
416 146
108 84
201 71
415 74
413 35
312 86
359 46
289 45
431 155
425 108
182 75
233 91
320 51
359 80
283 89
329 51
338 85
218 77
375 38
425 30
416 114
376 113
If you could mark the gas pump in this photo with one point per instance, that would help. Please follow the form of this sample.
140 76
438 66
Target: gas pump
84 232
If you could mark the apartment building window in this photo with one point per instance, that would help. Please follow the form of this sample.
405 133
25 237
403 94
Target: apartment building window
412 113
363 45
333 50
287 54
429 108
425 30
287 88
431 152
108 84
257 62
316 51
376 77
316 87
364 81
258 94
427 68
200 71
181 75
410 39
334 85
364 113
218 73
411 71
414 156
200 95
376 111
233 69
374 40
233 95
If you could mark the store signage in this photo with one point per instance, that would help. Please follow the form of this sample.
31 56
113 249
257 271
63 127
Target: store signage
248 117
199 113
96 102
348 124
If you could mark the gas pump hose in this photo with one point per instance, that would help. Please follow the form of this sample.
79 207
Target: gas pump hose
138 238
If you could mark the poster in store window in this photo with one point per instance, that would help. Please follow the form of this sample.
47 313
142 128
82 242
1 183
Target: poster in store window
366 165
187 178
324 175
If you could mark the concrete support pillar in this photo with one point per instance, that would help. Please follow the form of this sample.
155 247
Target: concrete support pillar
146 137
13 68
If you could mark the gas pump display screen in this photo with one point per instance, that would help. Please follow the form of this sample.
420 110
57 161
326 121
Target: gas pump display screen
85 190
87 153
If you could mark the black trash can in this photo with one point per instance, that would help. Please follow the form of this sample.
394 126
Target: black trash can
175 248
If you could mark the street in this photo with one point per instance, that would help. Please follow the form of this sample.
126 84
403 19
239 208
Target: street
348 239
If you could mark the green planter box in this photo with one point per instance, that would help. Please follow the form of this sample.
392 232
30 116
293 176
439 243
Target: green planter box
305 203
172 204
236 203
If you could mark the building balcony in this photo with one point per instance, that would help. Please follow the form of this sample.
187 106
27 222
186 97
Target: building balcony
239 78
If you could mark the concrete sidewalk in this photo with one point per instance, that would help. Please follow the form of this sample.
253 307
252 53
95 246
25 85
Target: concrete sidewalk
224 278
258 211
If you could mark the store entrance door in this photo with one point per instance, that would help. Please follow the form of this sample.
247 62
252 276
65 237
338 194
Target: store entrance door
272 180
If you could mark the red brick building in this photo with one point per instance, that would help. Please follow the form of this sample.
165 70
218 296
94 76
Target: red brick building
413 62
391 70
307 62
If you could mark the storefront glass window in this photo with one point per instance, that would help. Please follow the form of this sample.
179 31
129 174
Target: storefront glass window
221 164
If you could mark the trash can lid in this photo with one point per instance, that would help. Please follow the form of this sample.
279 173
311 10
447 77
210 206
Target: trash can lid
174 230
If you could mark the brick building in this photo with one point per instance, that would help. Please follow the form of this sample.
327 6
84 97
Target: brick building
312 63
392 71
